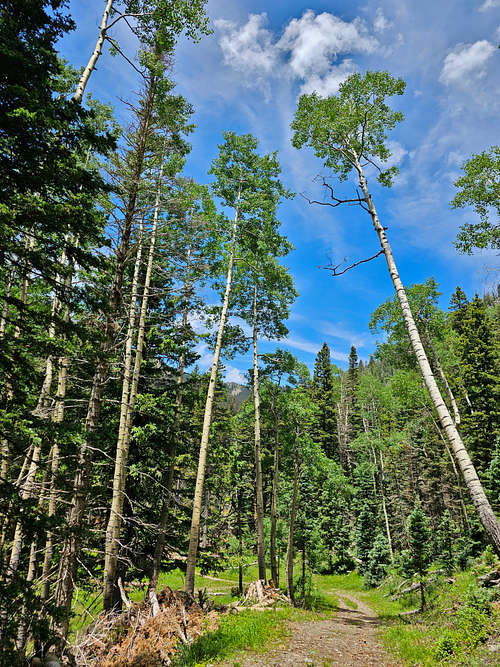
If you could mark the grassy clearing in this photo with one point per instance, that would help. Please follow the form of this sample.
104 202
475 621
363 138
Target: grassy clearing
456 628
248 631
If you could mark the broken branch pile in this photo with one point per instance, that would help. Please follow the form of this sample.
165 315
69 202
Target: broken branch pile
260 596
146 634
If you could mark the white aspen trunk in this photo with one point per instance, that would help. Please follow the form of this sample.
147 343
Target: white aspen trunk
479 499
444 380
70 550
27 488
274 500
29 243
57 418
291 530
25 616
162 526
384 508
44 402
259 498
465 516
127 411
95 55
207 417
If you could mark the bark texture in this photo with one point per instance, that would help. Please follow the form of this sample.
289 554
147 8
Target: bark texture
474 486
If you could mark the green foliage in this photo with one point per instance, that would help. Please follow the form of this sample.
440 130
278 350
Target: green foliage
479 187
248 630
445 539
351 125
477 352
419 535
379 559
366 528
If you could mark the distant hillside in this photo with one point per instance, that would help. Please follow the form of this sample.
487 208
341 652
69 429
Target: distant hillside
238 393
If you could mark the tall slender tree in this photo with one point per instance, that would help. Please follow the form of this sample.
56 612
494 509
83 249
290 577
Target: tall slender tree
347 132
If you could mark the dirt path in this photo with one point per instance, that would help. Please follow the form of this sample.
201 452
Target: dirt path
346 639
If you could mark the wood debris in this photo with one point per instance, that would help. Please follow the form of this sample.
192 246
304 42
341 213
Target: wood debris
261 596
146 634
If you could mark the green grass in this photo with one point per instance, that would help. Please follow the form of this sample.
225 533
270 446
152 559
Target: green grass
451 632
249 630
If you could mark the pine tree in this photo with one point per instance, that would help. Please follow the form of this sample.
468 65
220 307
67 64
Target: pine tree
365 534
481 421
379 559
419 534
322 389
445 538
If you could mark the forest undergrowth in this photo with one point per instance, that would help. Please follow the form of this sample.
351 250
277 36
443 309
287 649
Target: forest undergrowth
460 625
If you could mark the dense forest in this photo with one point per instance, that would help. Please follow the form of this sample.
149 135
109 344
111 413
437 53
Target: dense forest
120 458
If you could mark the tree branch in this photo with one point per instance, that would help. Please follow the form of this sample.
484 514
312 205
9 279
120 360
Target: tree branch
124 16
115 46
334 271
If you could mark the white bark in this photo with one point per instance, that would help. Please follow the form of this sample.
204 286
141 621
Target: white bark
479 499
95 54
259 499
129 396
207 418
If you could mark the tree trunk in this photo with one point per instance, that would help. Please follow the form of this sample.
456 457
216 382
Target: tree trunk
291 531
70 550
95 55
384 508
202 460
162 526
240 547
444 380
259 496
129 395
479 499
29 242
274 499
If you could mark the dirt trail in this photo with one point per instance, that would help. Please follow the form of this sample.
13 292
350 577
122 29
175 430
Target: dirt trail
348 639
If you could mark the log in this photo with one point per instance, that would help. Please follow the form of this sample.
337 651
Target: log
410 589
123 595
490 579
154 603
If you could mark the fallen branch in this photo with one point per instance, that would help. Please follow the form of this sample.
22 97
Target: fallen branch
123 595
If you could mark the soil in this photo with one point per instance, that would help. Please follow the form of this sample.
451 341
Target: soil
348 639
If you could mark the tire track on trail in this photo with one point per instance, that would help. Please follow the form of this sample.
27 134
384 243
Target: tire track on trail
348 638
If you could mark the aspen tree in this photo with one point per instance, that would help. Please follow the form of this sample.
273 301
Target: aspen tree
241 183
348 132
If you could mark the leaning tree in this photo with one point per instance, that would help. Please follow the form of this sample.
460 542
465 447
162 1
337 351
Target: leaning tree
348 132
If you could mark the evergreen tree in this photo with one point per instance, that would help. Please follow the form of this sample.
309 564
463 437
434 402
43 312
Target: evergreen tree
445 539
366 528
379 559
480 421
419 534
323 393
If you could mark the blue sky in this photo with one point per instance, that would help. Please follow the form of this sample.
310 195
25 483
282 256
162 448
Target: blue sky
247 77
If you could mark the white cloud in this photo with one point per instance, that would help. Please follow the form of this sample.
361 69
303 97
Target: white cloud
489 4
248 48
312 348
340 331
397 153
307 51
234 375
466 61
381 24
313 41
329 84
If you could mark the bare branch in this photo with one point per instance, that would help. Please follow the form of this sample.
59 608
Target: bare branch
124 16
115 46
334 271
